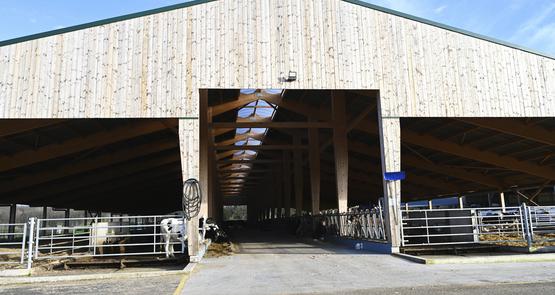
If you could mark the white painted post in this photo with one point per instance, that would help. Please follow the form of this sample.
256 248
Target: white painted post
461 202
30 250
502 199
23 242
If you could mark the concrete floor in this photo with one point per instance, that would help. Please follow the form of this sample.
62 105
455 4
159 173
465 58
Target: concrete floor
275 263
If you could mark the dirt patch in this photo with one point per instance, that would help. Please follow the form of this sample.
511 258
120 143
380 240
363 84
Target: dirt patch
221 249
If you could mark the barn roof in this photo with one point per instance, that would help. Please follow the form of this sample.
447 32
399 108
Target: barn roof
197 2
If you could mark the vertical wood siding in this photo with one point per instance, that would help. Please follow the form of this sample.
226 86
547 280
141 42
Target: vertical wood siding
153 66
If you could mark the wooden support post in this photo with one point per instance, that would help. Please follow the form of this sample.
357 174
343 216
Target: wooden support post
278 190
390 143
189 149
204 155
340 148
298 171
12 219
287 183
490 202
314 163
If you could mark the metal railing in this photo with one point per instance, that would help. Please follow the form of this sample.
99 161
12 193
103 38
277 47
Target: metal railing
101 237
509 226
356 224
542 223
12 243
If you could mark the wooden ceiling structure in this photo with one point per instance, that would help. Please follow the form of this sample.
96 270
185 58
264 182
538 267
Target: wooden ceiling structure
133 165
110 165
441 156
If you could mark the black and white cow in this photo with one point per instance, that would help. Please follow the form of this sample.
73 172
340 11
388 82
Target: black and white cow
173 230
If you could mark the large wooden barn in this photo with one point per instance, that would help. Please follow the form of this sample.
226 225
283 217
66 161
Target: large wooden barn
273 104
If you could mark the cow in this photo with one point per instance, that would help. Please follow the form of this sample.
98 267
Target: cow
173 230
103 234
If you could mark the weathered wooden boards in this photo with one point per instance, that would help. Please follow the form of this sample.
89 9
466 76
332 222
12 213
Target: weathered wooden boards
154 66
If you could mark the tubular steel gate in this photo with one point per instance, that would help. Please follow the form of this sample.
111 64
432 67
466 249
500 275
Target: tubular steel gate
12 243
509 226
101 237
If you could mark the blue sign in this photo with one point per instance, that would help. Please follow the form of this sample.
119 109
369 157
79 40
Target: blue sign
394 175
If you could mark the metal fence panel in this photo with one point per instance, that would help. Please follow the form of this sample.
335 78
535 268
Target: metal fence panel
542 223
12 243
462 226
102 237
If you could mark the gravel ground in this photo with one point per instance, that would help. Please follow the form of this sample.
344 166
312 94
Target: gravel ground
152 285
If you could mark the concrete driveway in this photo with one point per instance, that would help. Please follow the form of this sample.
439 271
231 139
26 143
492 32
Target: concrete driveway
275 263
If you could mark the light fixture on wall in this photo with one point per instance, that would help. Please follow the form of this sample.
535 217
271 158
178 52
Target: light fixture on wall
292 76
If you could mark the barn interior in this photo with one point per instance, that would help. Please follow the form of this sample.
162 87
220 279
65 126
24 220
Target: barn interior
270 146
271 149
480 158
118 166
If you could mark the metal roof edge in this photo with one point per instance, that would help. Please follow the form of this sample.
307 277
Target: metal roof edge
447 27
103 22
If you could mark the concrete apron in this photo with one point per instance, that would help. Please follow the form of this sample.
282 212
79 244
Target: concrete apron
25 276
478 259
362 245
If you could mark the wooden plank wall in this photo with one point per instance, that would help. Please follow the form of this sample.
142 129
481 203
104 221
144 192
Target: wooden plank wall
153 66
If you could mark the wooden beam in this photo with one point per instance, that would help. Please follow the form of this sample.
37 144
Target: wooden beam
218 132
314 164
261 147
41 192
256 161
73 168
287 183
79 144
353 122
240 137
145 178
340 148
10 127
223 155
390 146
298 172
473 153
271 124
514 127
241 101
419 163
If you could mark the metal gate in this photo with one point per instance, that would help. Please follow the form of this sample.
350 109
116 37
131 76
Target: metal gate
492 225
12 243
101 237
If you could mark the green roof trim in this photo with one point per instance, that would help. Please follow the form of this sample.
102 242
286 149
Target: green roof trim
197 2
447 27
103 22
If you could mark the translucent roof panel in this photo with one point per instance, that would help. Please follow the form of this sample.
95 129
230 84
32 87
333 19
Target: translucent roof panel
259 130
245 112
242 130
264 112
247 91
252 141
273 91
